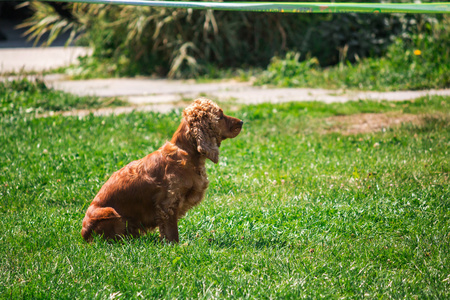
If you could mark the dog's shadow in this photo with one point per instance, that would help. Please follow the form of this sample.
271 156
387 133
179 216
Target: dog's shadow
217 241
222 240
257 244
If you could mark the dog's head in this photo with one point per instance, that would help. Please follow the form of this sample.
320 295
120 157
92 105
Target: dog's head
210 126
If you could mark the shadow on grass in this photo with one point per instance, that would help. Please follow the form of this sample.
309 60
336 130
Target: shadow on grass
257 243
152 239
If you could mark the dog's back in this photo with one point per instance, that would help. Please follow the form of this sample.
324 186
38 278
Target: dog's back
125 203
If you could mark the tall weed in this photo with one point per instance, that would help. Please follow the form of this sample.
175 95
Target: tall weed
415 61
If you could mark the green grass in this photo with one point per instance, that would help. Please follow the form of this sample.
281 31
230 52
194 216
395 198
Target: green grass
290 212
24 97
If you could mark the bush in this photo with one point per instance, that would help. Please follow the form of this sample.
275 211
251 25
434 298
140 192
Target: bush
131 40
415 61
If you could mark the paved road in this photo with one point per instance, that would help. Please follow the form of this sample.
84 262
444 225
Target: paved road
17 54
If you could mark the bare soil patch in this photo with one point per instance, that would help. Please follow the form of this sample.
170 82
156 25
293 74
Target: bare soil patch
365 123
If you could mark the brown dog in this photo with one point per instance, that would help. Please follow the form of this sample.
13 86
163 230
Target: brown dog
157 190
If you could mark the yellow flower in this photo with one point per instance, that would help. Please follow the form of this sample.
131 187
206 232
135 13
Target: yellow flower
417 52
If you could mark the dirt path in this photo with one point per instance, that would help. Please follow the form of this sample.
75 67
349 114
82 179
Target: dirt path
162 95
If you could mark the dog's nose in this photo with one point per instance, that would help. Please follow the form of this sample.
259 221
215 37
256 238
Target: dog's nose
241 122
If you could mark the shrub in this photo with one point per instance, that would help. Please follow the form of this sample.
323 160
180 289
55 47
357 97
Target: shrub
415 61
131 40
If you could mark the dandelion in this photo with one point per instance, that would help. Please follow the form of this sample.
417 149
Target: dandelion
417 52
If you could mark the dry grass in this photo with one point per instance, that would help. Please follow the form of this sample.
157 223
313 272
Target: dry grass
366 123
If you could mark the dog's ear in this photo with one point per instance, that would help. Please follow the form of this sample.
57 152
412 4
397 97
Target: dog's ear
202 120
207 143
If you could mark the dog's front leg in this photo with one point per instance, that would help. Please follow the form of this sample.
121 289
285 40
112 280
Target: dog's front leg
168 229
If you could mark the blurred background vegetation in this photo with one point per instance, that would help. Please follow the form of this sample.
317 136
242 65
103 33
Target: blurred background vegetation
355 50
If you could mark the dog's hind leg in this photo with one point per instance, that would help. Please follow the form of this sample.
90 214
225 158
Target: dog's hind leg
168 228
103 221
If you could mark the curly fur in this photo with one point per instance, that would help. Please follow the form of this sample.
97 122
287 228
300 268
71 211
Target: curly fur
202 117
157 190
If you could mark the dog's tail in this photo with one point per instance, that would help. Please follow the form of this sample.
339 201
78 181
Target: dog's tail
103 221
86 233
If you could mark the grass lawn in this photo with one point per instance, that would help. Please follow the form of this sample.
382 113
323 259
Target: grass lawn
294 209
